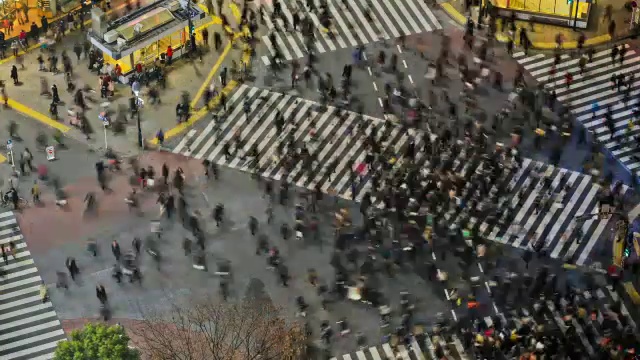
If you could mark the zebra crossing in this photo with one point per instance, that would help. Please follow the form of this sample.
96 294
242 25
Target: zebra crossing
552 316
559 194
29 327
354 23
453 350
592 87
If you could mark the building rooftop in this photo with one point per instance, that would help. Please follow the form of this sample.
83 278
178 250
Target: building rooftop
143 27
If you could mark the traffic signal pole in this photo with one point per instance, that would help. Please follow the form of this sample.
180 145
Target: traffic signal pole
192 30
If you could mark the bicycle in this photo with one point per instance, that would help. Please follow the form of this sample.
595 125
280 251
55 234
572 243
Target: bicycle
5 203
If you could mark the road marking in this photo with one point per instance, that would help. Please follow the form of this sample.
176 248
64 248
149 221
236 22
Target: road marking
38 116
180 128
213 71
235 10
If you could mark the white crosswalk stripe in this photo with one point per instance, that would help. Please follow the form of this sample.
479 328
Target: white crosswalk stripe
594 86
350 26
337 151
401 352
552 315
29 328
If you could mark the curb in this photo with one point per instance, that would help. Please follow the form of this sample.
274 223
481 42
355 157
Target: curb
44 119
177 130
461 19
212 72
198 115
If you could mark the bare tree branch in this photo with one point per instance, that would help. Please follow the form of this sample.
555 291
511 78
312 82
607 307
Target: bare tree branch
205 329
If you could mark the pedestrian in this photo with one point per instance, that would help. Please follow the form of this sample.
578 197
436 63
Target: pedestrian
582 64
136 244
14 75
101 294
28 158
622 52
14 48
115 249
169 55
590 54
620 82
15 199
217 41
165 173
568 79
35 192
205 37
223 101
160 137
55 97
77 49
612 29
72 267
253 225
581 40
223 77
4 255
169 205
283 272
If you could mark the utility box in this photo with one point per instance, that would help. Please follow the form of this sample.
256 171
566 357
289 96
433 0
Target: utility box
98 22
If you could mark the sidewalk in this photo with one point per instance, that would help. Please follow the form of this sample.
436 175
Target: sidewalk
184 75
543 36
35 16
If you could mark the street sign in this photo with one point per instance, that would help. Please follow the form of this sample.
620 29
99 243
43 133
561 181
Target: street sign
51 153
9 144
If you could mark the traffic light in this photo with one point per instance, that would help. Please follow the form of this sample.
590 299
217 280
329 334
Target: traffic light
627 252
192 29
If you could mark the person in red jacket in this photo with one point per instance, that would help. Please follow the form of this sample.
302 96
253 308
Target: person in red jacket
169 54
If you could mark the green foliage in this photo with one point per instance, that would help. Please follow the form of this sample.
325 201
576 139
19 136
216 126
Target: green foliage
97 341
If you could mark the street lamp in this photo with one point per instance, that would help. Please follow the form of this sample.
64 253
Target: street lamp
192 30
140 145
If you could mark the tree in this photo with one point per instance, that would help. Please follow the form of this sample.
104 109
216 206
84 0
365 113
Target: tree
248 329
97 341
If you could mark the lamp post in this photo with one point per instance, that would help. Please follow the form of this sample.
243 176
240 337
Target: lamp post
192 30
140 144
